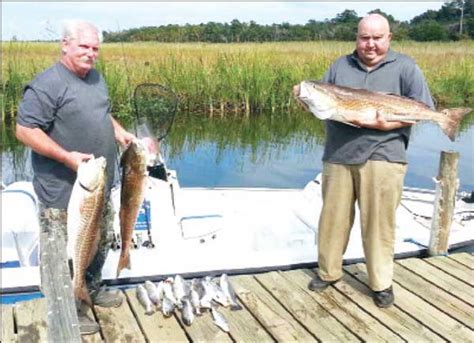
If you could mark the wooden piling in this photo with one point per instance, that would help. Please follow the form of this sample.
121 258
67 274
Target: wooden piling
446 187
56 285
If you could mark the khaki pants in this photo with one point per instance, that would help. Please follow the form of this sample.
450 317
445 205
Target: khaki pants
377 187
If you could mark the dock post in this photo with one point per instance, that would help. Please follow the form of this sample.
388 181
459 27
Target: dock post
56 285
446 187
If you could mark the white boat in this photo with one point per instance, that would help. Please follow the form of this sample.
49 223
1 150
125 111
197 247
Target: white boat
202 231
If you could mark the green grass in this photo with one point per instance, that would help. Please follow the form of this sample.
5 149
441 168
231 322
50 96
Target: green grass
231 79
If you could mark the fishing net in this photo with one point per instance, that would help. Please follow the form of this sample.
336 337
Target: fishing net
155 108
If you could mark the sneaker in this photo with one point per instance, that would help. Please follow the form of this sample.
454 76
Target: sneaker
106 298
317 284
87 326
384 298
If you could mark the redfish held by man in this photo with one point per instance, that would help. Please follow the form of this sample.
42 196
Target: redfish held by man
349 105
134 175
83 220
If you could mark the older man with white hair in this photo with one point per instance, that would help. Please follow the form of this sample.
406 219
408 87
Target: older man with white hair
64 117
366 163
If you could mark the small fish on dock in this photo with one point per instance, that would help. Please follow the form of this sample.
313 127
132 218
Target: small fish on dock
143 298
168 291
153 293
208 293
167 307
219 319
179 290
187 312
196 289
218 293
229 293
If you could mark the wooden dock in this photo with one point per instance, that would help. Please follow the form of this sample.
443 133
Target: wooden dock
434 301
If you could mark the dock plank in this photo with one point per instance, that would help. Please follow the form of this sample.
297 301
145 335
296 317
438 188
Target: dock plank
203 329
393 317
453 268
363 325
421 310
436 296
243 326
306 310
276 320
440 278
464 258
156 327
31 318
119 324
432 303
8 328
95 338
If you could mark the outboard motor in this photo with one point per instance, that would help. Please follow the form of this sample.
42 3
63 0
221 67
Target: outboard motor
469 199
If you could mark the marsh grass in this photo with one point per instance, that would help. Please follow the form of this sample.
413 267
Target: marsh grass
231 79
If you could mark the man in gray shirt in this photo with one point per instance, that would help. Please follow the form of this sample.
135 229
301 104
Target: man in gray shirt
366 162
64 118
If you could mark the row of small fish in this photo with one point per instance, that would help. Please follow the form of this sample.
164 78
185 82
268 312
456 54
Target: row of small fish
190 297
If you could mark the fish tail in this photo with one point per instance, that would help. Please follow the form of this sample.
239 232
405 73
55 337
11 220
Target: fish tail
124 262
454 117
82 293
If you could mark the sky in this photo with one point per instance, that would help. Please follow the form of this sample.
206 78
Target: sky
42 20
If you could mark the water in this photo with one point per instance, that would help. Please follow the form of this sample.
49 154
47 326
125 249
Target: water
291 163
269 151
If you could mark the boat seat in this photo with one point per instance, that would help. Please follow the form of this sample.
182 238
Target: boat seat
308 206
20 227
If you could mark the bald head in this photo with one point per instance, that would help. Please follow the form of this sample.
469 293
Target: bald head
373 39
374 20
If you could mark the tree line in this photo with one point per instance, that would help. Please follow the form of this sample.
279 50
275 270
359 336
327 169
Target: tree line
454 21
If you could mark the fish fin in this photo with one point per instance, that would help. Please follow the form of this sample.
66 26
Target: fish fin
235 307
124 262
82 293
350 124
454 117
126 170
122 160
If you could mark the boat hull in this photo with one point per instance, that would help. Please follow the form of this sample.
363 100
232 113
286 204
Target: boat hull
203 231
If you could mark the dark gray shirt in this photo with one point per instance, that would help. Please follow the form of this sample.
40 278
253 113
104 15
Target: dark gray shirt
396 74
74 112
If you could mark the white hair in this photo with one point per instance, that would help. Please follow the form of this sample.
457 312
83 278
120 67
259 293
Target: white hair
70 27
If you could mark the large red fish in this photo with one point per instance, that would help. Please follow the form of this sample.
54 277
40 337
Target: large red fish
134 176
344 104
